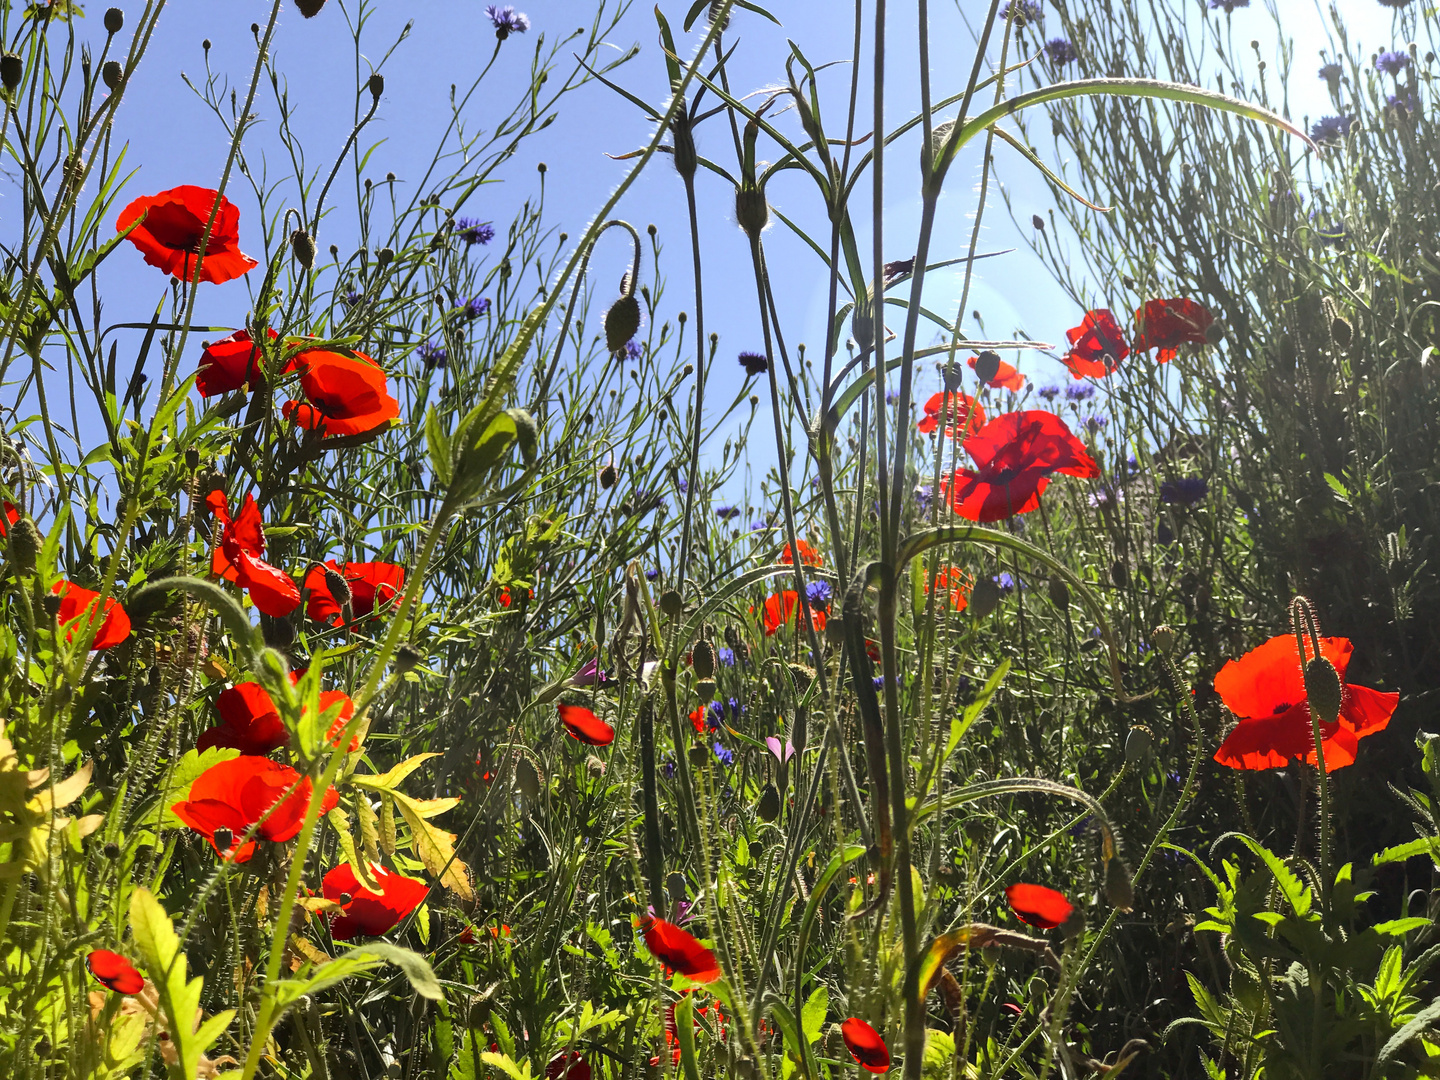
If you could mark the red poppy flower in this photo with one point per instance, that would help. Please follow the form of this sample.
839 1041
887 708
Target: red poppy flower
76 601
963 414
1265 689
865 1045
237 558
1007 377
114 972
1015 454
1038 906
1097 345
467 936
232 363
571 1066
174 224
1168 324
678 950
249 722
780 609
584 725
372 584
697 720
366 912
9 514
808 555
344 395
226 799
958 581
328 700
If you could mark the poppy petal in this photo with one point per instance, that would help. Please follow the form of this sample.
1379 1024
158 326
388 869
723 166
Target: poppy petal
680 951
1038 906
114 971
865 1045
584 725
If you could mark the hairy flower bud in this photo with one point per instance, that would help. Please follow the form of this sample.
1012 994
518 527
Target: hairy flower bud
987 365
24 544
309 8
339 587
1059 592
1119 889
114 20
51 603
302 245
702 657
621 322
954 376
671 603
769 805
752 212
1037 221
384 257
377 85
12 69
1323 690
1341 332
607 476
984 597
1119 574
1139 745
407 658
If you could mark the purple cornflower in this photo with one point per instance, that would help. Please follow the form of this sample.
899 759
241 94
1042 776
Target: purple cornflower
892 396
351 297
1061 52
1393 62
474 232
1330 129
1132 464
754 363
725 513
1049 393
682 484
1228 5
817 594
1186 491
714 716
667 770
651 575
1024 11
723 755
476 307
759 525
879 683
1006 581
1080 391
433 355
1331 73
1095 423
632 349
923 497
726 656
506 20
733 704
1403 100
1107 497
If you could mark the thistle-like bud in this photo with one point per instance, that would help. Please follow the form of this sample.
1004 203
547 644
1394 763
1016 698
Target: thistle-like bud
111 73
51 603
114 20
702 656
1119 889
1139 745
608 476
309 8
987 365
407 658
302 246
687 160
377 85
621 322
1341 332
384 257
339 587
24 544
1163 638
954 376
1074 925
1059 592
1037 221
769 805
1323 690
672 603
752 212
862 324
984 597
12 69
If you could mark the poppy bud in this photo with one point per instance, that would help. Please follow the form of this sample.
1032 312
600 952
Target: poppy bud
621 322
987 365
111 73
1163 638
407 658
377 85
527 779
309 8
1037 221
12 69
302 245
607 476
1214 333
1322 689
769 805
706 689
278 633
1059 592
24 545
699 757
223 838
384 257
752 212
702 657
51 603
1074 924
192 459
338 586
594 766
112 850
984 597
1139 745
1118 888
479 1012
114 20
1245 501
671 603
1341 331
1119 574
954 376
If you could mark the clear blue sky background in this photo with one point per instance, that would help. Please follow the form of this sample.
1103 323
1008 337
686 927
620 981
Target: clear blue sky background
173 139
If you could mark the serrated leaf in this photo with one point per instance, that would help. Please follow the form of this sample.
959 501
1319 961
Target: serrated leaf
340 822
1397 927
387 825
438 444
506 1064
369 829
1296 894
389 781
435 847
416 968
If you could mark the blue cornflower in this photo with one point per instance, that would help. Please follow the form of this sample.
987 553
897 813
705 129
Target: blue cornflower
754 363
714 716
1096 423
725 513
1228 5
632 349
1186 491
923 497
1392 62
1404 100
1080 391
1332 232
759 525
667 769
892 396
1330 129
1083 827
817 594
1025 11
1061 52
723 755
433 355
1331 73
476 307
507 20
733 704
352 297
1006 581
474 232
1132 464
682 484
1049 393
651 575
726 656
879 683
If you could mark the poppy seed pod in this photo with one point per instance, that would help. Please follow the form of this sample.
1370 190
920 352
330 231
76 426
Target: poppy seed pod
706 689
192 459
987 365
407 658
607 476
1163 638
1119 889
302 246
114 20
339 587
377 85
24 544
1322 689
954 376
703 659
984 597
111 73
769 805
51 604
699 757
1059 592
112 850
1037 221
621 322
309 8
12 69
671 603
1341 331
752 212
1139 745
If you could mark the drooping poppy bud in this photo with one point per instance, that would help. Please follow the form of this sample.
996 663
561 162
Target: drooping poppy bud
407 658
12 69
1059 592
621 322
1322 689
607 476
702 657
377 85
1341 331
987 365
309 8
338 587
114 20
769 805
1119 574
1139 745
984 597
1119 889
302 245
24 544
954 376
111 73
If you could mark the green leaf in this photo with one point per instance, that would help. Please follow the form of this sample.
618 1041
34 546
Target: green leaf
437 443
1418 1026
685 1034
975 708
1296 894
506 1064
416 968
1337 487
1397 927
1428 845
812 1016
